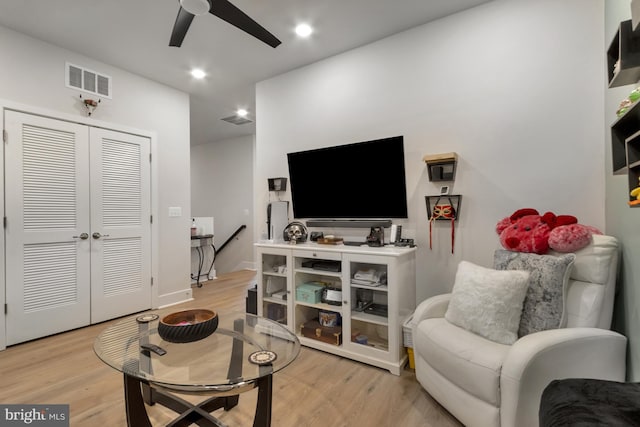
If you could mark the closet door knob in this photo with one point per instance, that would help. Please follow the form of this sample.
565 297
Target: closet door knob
83 236
97 235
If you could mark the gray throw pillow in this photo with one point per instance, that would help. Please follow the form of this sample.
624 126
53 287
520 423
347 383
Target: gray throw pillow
544 304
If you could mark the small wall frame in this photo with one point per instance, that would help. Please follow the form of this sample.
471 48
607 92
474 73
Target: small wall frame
444 207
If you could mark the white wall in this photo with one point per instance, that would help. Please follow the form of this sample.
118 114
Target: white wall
222 187
32 73
622 221
513 86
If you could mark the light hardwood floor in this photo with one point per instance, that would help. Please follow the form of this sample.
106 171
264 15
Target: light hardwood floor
318 389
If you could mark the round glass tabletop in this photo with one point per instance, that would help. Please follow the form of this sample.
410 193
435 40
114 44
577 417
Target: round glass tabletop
243 349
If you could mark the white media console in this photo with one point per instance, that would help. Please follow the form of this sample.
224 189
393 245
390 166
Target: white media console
372 289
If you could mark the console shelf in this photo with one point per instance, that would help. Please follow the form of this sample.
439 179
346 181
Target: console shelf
383 288
275 300
371 338
371 318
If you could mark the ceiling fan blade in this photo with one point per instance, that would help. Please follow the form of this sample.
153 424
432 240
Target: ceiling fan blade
183 21
234 16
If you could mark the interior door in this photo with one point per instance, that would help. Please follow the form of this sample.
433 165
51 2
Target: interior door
120 224
47 228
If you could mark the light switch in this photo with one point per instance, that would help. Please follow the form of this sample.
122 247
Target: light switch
175 211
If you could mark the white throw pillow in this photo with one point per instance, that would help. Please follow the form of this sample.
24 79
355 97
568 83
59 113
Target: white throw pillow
488 302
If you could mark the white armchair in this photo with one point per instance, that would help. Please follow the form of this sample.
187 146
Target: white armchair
484 383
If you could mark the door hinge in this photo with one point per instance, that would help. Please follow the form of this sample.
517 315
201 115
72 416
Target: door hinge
149 157
5 136
151 219
152 281
4 222
6 308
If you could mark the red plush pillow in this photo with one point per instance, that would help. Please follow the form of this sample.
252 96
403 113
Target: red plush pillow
569 238
528 231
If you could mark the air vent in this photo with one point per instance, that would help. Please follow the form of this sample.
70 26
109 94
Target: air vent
88 80
237 120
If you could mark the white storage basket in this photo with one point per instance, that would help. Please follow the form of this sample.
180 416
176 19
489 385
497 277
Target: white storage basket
407 335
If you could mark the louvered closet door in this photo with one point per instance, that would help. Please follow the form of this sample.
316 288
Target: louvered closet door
47 208
120 224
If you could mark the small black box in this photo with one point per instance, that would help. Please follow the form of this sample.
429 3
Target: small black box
251 301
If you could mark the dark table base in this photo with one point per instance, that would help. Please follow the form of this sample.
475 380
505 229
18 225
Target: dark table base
137 392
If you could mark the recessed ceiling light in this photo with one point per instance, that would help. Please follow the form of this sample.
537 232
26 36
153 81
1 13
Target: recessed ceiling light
242 112
304 30
198 73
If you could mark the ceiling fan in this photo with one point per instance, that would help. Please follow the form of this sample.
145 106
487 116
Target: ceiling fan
223 10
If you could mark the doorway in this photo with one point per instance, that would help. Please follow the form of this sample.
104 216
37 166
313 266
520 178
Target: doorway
78 225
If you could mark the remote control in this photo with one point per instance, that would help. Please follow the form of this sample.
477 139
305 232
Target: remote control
152 347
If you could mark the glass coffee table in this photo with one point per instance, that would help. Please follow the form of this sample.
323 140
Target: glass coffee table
242 354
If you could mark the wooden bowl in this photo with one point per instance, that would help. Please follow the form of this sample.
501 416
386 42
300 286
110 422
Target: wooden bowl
188 326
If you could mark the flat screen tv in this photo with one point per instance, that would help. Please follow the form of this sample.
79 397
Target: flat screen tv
365 180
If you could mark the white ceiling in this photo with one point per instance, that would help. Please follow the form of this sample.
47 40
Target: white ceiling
134 35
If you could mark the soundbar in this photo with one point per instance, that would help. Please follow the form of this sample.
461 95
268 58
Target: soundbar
349 223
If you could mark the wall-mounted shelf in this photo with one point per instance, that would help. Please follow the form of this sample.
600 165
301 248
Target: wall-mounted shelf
623 56
444 208
632 144
277 184
441 167
624 127
625 146
625 131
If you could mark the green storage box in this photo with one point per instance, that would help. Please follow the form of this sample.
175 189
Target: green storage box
309 292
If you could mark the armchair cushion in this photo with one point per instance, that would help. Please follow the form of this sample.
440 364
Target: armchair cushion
544 304
488 302
464 358
593 263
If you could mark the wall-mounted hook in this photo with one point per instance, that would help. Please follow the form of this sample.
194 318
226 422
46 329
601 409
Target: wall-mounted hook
90 104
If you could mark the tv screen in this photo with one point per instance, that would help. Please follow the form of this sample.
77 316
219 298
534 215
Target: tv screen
362 180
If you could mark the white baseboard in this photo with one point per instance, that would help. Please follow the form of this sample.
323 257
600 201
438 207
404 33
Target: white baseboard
175 298
245 265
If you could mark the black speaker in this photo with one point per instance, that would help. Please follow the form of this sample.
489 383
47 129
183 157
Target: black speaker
251 301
